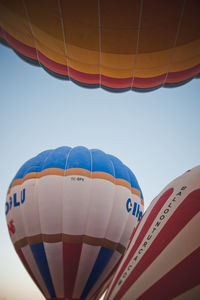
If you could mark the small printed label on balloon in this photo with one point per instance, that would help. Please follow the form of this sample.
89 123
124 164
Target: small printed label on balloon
79 179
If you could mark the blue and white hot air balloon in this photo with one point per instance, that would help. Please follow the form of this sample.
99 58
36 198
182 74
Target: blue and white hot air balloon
70 214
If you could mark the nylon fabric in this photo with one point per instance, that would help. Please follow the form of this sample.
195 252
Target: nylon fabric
115 45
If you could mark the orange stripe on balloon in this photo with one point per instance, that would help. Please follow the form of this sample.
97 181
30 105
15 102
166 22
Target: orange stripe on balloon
77 172
70 239
85 78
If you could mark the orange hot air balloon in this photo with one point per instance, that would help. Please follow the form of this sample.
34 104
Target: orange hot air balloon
118 45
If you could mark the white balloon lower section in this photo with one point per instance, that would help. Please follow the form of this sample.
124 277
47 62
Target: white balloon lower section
53 217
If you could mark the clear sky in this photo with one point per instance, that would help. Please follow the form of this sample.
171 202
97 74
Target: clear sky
156 134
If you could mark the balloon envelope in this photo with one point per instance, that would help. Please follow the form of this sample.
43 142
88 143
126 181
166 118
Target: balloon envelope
70 213
118 45
163 259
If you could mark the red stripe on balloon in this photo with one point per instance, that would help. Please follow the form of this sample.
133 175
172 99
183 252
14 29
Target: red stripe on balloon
153 214
175 77
71 257
148 82
180 279
84 77
52 65
115 83
19 46
182 215
23 260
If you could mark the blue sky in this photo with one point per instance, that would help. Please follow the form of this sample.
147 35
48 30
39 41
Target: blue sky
156 134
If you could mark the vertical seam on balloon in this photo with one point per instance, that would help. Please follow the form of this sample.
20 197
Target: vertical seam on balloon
127 220
175 41
114 183
38 182
65 172
64 39
26 237
32 31
86 221
91 168
138 40
107 225
129 215
22 219
66 163
88 210
85 227
37 185
99 23
62 216
34 193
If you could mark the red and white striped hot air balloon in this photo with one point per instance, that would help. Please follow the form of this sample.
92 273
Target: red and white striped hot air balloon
163 258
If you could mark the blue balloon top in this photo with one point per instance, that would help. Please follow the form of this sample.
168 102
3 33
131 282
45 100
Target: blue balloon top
93 160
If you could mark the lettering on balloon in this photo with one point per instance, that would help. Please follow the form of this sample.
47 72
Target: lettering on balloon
13 201
134 208
161 218
78 178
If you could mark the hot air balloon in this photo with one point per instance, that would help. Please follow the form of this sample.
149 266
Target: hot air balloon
70 213
117 45
163 259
